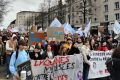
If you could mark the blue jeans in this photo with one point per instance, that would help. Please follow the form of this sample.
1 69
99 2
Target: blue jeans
85 71
7 64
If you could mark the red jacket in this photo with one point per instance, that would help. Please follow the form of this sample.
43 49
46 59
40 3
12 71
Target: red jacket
103 48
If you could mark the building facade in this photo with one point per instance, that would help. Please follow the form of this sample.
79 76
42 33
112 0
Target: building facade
26 19
59 12
79 12
42 20
109 12
100 12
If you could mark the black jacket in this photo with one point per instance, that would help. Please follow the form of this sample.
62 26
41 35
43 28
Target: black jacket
113 66
40 56
46 54
73 51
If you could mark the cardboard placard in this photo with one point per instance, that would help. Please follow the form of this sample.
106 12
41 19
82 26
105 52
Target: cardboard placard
36 37
55 32
26 66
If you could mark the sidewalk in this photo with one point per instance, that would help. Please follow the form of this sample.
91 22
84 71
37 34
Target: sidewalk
3 73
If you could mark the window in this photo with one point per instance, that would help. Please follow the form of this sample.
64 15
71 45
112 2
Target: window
72 14
72 21
106 0
106 17
117 16
106 8
95 9
77 13
95 19
116 5
77 6
76 21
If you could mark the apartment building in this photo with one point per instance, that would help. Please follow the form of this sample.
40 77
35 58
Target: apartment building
26 18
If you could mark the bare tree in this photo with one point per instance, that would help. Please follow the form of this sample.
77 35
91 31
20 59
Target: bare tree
3 8
86 8
43 9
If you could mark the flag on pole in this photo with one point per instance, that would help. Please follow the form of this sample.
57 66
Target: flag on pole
22 29
40 30
116 27
9 29
55 23
87 28
80 31
68 29
15 29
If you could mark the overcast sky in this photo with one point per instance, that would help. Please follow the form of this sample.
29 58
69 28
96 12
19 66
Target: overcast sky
20 5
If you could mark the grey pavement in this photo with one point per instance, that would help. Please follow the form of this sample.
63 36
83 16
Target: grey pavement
3 73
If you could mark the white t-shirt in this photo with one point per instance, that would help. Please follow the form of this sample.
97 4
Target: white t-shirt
50 55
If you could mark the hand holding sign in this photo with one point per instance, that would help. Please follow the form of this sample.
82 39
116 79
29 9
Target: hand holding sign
36 55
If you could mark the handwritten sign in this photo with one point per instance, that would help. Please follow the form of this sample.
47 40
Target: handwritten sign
59 68
98 68
56 32
25 67
36 37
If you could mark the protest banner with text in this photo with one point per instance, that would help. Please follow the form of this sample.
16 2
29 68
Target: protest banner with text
56 32
98 68
59 68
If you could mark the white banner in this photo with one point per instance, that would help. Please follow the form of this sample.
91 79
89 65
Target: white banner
98 68
59 68
116 27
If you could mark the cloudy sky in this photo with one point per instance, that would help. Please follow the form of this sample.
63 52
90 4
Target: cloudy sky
20 5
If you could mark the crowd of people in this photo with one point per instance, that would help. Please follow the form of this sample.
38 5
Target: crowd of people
15 49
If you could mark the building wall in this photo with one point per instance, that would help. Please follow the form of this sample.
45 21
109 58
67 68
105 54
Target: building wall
26 18
54 12
111 10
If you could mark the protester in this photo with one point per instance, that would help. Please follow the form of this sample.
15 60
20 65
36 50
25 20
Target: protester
48 52
103 46
10 48
63 51
92 44
114 44
1 51
69 43
79 43
22 56
49 48
113 65
86 58
109 42
37 54
74 49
